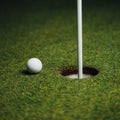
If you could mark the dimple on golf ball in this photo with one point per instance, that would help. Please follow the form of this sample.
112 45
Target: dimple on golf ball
34 65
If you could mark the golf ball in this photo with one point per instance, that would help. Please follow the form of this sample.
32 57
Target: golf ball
34 65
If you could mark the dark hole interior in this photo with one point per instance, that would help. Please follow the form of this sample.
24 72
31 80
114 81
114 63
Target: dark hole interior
74 70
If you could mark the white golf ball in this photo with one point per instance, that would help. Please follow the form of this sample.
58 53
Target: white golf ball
34 65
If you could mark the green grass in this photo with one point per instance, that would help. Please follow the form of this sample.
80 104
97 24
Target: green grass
48 31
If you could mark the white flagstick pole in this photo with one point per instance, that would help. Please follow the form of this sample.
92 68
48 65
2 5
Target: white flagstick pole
80 64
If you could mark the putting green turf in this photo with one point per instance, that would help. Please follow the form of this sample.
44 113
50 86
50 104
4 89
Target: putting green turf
47 30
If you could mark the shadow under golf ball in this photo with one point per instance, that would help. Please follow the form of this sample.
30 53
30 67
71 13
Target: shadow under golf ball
72 72
26 72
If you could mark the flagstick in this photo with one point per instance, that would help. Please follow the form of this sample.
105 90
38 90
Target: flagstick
79 12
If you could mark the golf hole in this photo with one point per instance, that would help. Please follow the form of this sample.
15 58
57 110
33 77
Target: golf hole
72 72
